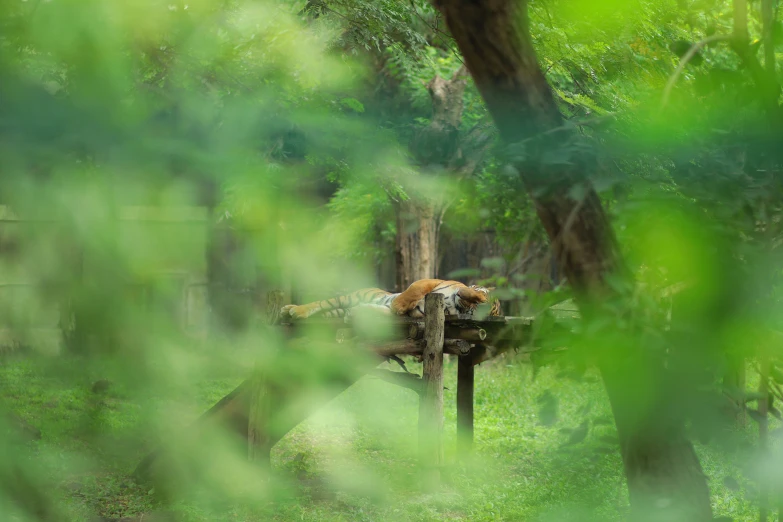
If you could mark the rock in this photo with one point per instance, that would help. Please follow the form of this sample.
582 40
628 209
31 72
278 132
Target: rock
101 386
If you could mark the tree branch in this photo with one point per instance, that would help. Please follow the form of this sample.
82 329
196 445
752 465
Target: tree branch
406 380
695 48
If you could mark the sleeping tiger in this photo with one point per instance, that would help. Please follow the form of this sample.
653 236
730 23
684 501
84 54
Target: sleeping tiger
458 298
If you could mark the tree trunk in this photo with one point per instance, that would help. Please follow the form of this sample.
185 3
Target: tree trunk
664 476
418 227
438 146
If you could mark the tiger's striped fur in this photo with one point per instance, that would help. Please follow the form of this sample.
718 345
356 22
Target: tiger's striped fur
459 299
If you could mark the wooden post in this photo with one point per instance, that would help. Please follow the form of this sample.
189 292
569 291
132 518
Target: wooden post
431 400
465 386
258 438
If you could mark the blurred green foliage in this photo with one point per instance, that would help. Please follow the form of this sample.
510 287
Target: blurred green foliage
286 128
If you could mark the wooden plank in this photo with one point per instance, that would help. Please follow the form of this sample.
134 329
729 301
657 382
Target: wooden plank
462 319
431 401
416 347
232 413
475 335
465 387
502 335
519 321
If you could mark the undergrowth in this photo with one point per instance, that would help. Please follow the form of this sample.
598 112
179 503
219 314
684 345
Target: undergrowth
545 450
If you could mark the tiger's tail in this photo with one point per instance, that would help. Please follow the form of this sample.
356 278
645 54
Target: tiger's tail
335 306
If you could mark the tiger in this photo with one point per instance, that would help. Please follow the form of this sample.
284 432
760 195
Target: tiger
458 299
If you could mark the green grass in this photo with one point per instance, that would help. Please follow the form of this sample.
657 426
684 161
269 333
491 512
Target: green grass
356 458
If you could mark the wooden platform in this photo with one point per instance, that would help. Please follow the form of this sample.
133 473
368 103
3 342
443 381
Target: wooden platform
261 412
472 339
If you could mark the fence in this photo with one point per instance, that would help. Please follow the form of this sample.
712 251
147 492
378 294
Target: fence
167 246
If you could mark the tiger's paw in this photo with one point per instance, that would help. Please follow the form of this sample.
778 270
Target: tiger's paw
289 311
297 312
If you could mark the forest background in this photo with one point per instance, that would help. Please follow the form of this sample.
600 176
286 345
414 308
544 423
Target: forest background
338 145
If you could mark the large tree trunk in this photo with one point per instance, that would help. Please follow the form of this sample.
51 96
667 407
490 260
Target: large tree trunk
418 226
664 476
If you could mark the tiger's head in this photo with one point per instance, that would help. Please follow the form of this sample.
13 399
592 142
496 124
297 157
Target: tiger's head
476 295
485 291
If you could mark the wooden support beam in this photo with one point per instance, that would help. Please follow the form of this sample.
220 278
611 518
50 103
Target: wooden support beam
406 380
474 335
459 321
301 397
499 333
431 401
465 387
411 347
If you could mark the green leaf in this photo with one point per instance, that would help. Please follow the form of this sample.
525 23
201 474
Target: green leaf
464 272
353 103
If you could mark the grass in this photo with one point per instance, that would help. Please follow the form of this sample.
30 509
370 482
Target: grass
356 458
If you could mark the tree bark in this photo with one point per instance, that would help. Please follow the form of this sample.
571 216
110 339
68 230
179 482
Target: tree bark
438 146
664 476
418 227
